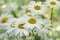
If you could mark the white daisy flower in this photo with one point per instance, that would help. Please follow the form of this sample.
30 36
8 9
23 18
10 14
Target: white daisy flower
21 30
3 6
11 23
36 8
30 22
44 29
52 3
14 29
24 10
12 6
5 17
10 26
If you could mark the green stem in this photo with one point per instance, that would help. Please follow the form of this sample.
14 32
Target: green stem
51 15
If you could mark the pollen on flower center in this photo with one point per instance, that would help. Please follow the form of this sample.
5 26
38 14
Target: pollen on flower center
4 20
53 3
37 7
32 21
21 26
27 10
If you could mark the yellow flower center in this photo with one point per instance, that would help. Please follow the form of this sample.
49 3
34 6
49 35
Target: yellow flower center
37 7
43 25
27 11
53 3
42 16
4 20
21 26
32 21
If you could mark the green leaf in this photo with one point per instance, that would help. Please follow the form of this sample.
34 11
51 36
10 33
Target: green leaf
15 13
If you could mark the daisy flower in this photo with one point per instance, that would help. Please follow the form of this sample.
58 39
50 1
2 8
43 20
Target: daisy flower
44 29
12 6
11 23
36 8
10 26
5 17
24 10
2 6
20 30
52 3
15 28
30 22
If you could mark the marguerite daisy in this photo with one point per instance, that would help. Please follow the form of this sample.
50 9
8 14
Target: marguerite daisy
12 6
15 28
44 29
21 30
24 10
52 3
36 8
10 26
2 6
30 22
5 17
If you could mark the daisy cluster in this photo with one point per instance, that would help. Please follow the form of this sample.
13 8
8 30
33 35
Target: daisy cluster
33 19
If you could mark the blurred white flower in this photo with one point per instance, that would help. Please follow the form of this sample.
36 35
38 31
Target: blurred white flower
20 29
30 22
44 29
5 17
11 24
33 8
24 10
36 8
3 6
52 3
12 6
58 28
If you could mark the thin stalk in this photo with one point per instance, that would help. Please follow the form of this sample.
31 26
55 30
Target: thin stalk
51 15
